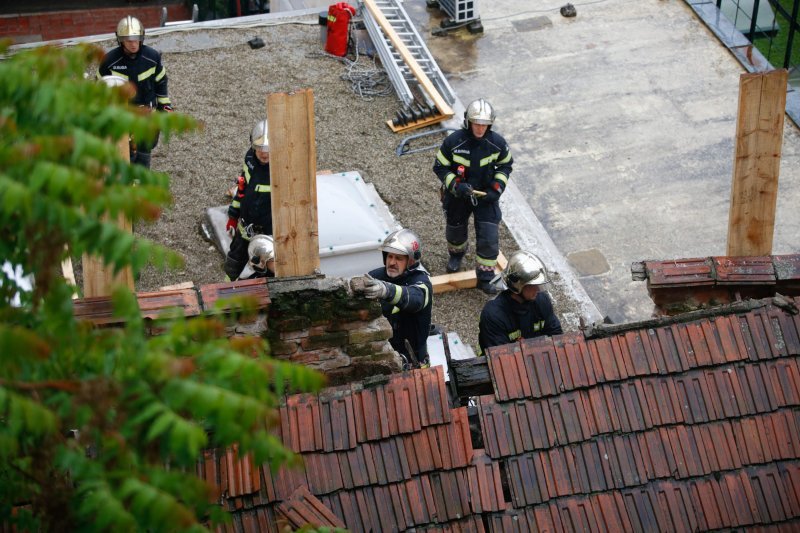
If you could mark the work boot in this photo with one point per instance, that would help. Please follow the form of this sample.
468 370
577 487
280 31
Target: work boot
488 287
454 263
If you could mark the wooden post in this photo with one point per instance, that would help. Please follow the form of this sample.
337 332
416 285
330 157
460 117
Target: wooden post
98 278
759 137
293 177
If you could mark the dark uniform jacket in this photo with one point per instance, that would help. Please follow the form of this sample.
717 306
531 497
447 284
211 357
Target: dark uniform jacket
408 310
145 70
504 320
487 161
254 204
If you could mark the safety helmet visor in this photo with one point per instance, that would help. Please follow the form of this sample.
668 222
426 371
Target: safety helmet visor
261 251
480 112
130 29
403 242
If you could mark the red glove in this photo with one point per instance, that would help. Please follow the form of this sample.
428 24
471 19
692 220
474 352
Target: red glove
166 107
231 225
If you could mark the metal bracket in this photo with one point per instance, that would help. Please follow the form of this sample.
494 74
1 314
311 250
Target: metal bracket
404 149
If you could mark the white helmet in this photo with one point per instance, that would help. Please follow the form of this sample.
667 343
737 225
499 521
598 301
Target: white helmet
403 242
130 29
261 251
258 137
114 81
479 112
524 268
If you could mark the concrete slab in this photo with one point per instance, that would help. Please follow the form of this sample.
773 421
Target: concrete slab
621 122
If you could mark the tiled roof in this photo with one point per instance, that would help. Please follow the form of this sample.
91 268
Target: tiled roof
683 426
190 301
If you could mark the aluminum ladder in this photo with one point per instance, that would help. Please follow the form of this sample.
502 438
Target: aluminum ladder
399 74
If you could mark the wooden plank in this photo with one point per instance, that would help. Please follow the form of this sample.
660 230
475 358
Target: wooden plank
99 279
402 49
178 286
759 137
462 280
293 163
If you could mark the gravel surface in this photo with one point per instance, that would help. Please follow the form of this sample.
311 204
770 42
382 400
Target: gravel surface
216 77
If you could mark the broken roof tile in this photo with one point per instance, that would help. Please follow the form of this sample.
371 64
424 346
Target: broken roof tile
485 487
303 508
744 270
252 288
680 273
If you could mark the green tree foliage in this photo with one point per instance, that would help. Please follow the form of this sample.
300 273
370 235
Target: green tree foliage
101 428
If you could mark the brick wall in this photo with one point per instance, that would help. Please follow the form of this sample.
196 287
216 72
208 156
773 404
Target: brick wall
36 27
319 324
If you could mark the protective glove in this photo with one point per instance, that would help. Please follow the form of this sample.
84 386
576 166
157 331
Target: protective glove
230 227
166 108
375 289
491 196
463 190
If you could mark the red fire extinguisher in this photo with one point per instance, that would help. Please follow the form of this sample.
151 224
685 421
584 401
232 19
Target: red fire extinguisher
338 28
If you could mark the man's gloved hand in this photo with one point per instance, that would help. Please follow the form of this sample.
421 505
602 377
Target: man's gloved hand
463 190
369 287
491 196
230 227
166 108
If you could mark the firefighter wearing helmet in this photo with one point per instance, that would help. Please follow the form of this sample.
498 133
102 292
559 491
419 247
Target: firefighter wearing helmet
141 65
250 212
523 310
404 290
474 164
261 251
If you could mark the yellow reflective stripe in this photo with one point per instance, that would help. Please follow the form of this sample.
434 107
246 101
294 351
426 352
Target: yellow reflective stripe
448 180
506 159
263 188
442 159
456 248
147 73
161 74
246 174
486 160
398 293
514 335
163 100
395 310
485 262
425 290
461 160
236 204
501 177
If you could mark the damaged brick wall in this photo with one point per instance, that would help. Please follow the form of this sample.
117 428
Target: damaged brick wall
318 323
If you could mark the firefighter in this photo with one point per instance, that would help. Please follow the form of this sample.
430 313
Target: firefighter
250 212
522 310
141 65
261 251
404 290
474 164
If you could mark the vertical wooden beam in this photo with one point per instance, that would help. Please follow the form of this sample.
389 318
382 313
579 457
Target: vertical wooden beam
759 137
98 278
293 169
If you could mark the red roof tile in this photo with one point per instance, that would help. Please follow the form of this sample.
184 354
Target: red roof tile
302 509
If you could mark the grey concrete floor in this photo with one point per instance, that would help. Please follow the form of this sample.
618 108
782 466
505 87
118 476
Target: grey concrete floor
622 123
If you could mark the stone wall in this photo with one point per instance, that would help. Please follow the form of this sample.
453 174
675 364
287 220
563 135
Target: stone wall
318 323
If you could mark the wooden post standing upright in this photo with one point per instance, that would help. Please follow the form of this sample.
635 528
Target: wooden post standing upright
293 169
759 137
98 278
